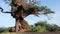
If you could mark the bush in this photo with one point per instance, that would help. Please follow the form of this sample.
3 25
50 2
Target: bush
4 30
43 26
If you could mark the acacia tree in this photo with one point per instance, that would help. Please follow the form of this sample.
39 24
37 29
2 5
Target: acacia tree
21 9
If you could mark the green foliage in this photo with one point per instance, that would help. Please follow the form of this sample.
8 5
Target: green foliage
41 23
47 10
38 29
43 26
4 30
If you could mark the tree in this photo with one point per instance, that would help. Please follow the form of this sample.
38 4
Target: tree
52 28
41 23
38 29
20 9
3 29
45 26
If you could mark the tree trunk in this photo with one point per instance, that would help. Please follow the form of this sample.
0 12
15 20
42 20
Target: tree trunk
24 25
21 26
17 25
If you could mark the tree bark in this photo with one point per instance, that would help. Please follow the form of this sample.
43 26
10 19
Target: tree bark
17 25
21 26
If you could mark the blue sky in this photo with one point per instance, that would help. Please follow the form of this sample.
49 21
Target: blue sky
6 20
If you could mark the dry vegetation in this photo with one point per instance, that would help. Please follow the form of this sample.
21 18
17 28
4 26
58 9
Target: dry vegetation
12 33
32 33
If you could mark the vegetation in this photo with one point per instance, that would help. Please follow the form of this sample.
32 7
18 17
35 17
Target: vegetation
41 26
20 9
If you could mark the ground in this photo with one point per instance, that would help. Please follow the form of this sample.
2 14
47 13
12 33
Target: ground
32 33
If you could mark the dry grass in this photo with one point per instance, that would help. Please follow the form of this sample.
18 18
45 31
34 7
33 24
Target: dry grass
12 33
31 33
